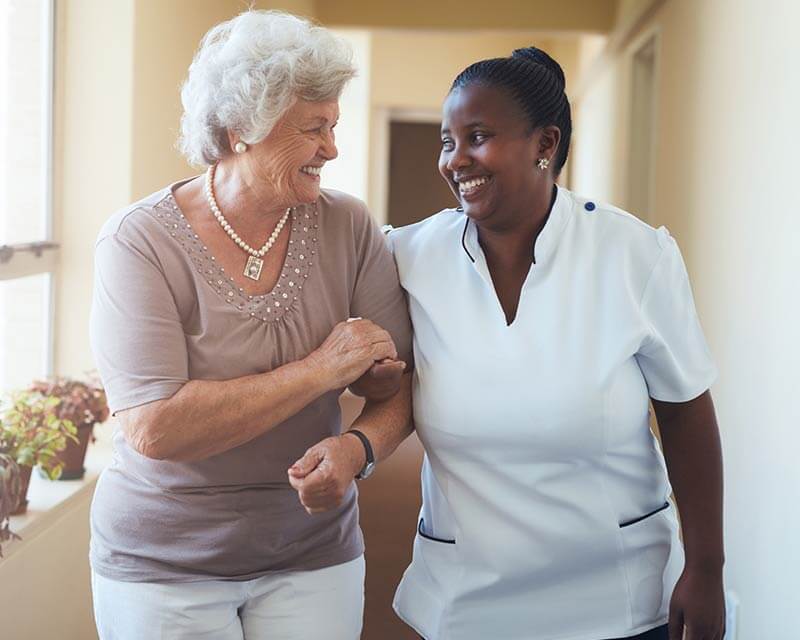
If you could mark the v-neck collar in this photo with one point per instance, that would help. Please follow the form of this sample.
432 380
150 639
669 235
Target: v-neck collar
545 243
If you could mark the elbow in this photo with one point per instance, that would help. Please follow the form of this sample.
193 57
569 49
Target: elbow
146 436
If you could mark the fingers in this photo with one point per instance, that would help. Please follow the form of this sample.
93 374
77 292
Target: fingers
321 492
322 477
306 464
388 370
675 625
368 330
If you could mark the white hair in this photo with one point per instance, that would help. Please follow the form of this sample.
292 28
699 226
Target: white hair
249 71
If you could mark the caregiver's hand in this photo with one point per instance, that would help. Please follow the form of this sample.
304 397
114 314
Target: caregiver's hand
697 606
324 474
381 381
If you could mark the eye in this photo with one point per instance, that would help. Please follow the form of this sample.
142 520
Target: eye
447 144
479 137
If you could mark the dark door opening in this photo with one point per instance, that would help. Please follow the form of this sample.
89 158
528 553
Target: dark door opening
416 190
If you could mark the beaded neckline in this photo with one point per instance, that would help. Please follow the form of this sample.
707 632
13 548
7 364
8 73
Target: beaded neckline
267 307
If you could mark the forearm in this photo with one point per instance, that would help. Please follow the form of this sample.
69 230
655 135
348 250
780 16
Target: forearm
690 438
386 423
205 418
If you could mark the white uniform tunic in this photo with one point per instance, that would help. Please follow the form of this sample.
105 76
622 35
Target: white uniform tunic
540 464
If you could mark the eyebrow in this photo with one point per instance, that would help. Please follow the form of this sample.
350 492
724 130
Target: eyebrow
315 120
471 125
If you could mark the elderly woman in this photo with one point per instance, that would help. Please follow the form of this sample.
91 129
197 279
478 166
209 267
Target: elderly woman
230 311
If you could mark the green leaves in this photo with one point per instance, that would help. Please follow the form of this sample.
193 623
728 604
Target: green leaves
32 433
10 491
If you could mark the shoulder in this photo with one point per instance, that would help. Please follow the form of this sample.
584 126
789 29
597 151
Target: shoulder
341 204
140 223
440 225
612 230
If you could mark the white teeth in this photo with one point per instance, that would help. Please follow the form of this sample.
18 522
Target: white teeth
469 185
313 171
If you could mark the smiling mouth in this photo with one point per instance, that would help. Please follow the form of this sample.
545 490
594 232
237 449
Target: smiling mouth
311 171
472 186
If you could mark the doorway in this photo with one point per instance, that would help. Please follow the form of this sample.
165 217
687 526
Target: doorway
416 190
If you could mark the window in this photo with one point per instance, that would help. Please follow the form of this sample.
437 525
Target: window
27 253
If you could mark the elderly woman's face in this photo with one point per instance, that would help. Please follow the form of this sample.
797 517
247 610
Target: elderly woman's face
290 158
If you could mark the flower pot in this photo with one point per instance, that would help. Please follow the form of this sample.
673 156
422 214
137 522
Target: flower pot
75 453
25 479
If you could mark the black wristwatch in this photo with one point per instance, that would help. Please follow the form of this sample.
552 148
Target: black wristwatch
369 465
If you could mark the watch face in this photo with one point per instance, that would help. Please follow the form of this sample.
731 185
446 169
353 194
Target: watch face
367 470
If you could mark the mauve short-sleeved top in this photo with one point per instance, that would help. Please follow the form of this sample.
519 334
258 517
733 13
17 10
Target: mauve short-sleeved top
165 313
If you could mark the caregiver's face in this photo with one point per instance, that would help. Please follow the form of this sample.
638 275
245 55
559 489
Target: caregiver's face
489 154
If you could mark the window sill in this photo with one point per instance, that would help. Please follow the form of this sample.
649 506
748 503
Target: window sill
49 501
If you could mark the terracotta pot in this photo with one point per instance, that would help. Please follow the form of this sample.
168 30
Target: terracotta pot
74 455
25 480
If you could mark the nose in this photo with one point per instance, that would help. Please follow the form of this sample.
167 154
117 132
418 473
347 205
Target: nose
328 149
458 158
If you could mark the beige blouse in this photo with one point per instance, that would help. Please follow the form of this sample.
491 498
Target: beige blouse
165 313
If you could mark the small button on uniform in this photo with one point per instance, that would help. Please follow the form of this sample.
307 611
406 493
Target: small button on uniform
590 206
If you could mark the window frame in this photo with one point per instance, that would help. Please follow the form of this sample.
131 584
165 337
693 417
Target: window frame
40 257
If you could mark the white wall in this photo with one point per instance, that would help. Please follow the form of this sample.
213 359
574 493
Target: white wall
349 172
729 95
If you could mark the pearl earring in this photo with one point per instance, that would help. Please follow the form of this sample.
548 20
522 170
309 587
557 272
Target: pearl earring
240 147
543 163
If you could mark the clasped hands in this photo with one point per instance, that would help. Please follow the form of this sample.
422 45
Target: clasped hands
362 356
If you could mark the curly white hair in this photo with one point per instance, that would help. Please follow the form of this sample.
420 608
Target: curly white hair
249 71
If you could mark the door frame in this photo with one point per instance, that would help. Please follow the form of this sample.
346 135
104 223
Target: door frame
380 152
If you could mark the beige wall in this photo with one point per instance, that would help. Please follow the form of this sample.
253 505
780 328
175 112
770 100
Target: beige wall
411 72
575 15
93 154
728 96
45 580
414 69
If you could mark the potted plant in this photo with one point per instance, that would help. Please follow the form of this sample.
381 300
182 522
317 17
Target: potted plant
32 434
10 487
84 405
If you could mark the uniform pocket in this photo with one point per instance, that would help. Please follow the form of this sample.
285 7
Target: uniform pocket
429 535
633 521
653 560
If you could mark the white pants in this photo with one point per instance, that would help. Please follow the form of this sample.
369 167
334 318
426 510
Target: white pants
299 605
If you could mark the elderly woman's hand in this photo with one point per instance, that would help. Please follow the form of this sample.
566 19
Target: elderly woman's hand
324 473
350 350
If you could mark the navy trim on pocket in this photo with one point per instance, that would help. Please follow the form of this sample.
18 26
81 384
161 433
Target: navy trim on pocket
628 523
427 537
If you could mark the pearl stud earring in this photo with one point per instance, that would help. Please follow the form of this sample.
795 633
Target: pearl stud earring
543 163
240 147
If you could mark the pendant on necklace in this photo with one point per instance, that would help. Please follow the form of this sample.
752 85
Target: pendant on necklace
253 267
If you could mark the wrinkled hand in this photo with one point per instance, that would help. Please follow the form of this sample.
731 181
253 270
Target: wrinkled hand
350 349
697 606
381 381
324 474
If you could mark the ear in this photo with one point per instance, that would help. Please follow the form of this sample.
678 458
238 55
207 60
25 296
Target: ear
549 138
232 139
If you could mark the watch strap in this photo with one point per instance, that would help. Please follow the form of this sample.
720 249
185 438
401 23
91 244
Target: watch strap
370 456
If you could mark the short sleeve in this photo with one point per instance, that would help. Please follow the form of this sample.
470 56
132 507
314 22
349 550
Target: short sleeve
378 295
674 358
136 334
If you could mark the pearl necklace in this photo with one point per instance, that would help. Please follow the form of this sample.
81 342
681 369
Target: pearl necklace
255 262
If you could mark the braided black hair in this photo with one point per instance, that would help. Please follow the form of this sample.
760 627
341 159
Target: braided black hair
536 82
